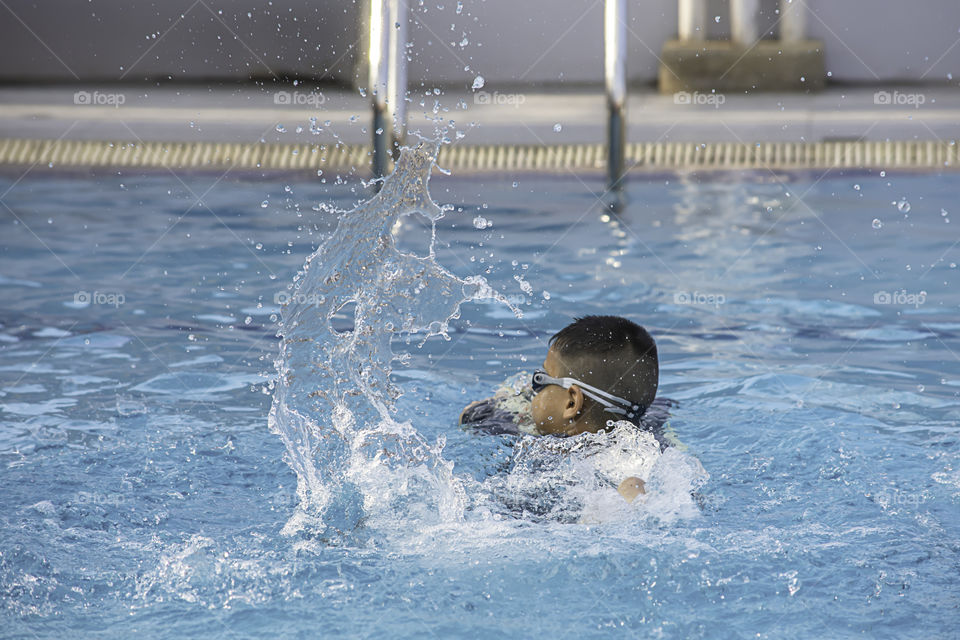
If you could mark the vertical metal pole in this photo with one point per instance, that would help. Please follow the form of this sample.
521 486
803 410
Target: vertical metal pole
615 74
743 21
397 80
692 19
379 58
793 20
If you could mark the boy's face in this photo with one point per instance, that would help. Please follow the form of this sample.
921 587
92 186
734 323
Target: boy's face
553 409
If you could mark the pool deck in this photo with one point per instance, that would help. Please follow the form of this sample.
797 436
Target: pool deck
247 114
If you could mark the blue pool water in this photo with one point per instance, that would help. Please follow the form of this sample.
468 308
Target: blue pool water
808 324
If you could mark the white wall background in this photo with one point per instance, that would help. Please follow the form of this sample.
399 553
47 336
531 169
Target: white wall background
509 42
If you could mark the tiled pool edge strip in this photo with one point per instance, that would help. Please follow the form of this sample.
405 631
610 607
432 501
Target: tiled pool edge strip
483 158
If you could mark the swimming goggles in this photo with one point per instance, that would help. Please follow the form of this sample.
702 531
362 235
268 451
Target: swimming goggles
611 403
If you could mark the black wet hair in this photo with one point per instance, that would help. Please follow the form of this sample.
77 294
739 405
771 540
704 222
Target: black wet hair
611 353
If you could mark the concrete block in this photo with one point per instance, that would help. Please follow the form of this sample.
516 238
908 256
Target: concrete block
727 67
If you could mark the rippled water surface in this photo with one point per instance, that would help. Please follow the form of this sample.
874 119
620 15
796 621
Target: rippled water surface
809 325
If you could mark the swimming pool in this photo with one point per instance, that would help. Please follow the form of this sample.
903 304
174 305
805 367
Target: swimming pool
807 323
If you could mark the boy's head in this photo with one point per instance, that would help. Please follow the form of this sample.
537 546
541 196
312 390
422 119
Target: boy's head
610 353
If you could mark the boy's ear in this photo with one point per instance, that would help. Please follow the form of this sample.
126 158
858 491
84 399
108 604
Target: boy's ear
574 403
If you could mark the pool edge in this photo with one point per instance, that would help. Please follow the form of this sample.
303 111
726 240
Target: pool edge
654 156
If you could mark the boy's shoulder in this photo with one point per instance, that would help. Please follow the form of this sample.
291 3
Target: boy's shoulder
656 419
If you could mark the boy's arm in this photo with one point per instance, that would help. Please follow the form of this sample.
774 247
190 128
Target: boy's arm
467 409
631 488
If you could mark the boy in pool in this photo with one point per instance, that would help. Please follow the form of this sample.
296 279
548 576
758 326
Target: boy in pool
597 370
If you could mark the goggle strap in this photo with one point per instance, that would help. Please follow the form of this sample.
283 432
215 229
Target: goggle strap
598 395
567 382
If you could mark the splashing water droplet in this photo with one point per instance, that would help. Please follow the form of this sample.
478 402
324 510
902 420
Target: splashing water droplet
264 204
903 206
478 82
557 128
877 224
856 187
334 405
481 223
280 128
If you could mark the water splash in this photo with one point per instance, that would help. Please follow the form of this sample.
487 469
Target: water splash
574 480
334 404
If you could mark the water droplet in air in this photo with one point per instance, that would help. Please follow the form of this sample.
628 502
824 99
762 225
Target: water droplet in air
716 19
459 8
281 128
481 223
557 128
515 184
943 212
920 388
478 82
903 206
264 204
876 223
856 187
